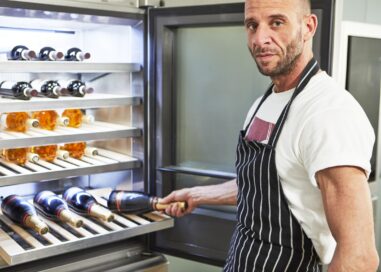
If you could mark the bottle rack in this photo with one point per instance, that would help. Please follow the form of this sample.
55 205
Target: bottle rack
18 245
11 174
106 161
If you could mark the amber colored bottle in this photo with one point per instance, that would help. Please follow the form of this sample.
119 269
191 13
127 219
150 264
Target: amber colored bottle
77 150
46 153
20 155
50 152
77 118
49 119
18 121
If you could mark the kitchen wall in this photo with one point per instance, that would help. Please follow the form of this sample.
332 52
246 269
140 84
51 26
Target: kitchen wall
366 11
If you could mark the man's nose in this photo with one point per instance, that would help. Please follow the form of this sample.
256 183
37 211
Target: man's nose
261 36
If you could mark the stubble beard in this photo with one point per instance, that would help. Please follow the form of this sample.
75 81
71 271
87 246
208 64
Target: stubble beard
285 65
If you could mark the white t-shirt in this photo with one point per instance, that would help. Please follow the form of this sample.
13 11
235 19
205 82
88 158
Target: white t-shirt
325 127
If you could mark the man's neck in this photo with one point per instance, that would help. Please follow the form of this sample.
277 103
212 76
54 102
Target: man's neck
286 82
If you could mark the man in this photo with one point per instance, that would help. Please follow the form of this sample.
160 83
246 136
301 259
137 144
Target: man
302 159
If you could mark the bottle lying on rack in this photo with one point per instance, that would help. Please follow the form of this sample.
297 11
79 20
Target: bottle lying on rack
50 119
18 121
49 88
136 202
55 208
76 54
19 90
23 213
77 118
77 150
50 54
19 155
21 52
76 87
85 204
50 152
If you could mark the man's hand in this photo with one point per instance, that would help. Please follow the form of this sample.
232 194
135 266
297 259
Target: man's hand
220 194
348 207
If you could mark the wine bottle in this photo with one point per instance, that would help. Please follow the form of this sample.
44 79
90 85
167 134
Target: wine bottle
21 52
19 90
53 207
85 204
77 150
76 117
50 152
76 87
50 119
18 121
50 54
137 202
76 54
19 155
23 213
48 88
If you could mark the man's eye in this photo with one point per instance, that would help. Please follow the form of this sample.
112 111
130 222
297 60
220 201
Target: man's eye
277 23
251 26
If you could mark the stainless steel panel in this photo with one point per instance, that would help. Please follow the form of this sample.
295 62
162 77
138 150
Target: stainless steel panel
67 67
128 6
181 3
90 101
56 138
79 171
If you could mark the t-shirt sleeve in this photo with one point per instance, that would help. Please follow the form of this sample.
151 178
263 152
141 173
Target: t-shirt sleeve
336 137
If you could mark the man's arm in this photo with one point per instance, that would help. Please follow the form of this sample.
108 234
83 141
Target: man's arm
220 194
348 207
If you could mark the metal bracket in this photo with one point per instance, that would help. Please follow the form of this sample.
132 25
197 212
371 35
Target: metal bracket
149 3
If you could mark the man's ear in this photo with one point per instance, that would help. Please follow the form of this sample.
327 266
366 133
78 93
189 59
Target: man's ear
310 26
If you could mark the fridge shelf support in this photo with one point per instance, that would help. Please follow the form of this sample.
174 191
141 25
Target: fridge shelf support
87 132
106 161
95 100
67 67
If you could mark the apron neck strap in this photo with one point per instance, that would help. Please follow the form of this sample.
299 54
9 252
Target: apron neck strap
309 71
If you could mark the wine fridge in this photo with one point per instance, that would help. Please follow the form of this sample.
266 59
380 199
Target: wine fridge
112 96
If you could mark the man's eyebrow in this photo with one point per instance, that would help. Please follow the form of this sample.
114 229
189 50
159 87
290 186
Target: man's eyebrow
248 20
278 16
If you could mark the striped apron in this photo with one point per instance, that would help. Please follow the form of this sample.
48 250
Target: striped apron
267 236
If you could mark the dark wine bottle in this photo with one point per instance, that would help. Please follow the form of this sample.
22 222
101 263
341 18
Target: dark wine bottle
75 87
50 54
21 52
20 90
76 54
137 202
85 204
23 213
53 207
49 88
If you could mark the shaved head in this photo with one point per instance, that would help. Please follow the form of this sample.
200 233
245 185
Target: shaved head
305 6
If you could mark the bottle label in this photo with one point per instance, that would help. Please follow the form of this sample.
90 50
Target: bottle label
91 151
32 157
3 120
88 119
62 154
63 121
7 85
32 123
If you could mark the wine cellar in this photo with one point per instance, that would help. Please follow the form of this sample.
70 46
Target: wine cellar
116 103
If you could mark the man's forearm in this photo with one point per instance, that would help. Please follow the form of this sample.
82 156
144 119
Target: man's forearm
219 194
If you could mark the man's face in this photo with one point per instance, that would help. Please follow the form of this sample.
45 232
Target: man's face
274 32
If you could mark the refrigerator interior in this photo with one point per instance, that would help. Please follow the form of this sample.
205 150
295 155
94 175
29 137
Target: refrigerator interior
115 71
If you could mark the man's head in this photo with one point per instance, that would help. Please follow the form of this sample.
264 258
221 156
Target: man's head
279 34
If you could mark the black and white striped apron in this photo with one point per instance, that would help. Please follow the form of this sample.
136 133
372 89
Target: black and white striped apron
267 236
